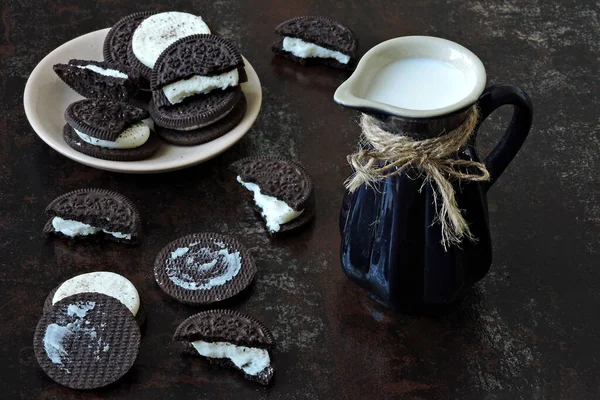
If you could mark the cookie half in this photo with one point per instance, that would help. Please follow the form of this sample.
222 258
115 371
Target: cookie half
95 80
208 133
104 282
282 191
197 64
109 130
87 341
229 339
87 212
116 45
196 112
203 268
158 32
317 40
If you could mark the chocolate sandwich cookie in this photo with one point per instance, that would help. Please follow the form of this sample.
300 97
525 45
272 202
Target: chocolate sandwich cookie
282 191
95 80
197 64
229 339
109 130
208 133
87 212
104 282
87 341
203 268
196 112
116 46
156 33
319 40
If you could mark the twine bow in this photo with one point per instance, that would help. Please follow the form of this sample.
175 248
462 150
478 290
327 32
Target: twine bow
382 154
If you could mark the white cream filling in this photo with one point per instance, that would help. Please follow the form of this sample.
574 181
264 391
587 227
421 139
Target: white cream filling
249 359
54 337
159 31
134 136
108 283
176 92
302 49
275 211
75 228
104 71
199 262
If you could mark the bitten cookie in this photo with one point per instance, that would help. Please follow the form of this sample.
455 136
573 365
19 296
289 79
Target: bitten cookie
109 130
203 268
87 341
95 80
104 282
229 339
156 33
282 191
317 40
87 212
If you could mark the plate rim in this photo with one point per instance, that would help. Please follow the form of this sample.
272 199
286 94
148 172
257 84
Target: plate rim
120 166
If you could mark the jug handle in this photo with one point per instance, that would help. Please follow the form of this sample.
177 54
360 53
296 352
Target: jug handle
492 98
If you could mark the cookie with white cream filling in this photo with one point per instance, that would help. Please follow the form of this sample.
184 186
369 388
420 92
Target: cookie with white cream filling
282 191
229 339
195 65
109 130
95 80
88 212
319 40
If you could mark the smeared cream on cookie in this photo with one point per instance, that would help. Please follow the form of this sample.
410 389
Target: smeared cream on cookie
176 92
251 360
203 268
75 228
302 49
108 283
104 71
132 137
158 31
275 211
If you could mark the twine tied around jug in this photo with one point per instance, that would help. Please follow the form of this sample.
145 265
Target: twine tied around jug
383 154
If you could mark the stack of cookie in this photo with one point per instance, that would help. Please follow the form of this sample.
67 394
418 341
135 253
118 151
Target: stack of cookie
196 94
194 76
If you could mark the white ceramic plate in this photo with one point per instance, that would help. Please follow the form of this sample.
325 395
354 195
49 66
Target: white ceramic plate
46 97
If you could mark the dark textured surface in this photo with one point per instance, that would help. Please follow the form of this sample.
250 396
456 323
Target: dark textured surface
529 330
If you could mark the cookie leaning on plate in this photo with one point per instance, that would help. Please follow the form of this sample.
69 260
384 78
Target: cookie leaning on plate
116 45
96 80
229 339
317 40
87 212
109 130
282 191
156 33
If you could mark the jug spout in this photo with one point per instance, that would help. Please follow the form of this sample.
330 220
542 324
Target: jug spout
397 83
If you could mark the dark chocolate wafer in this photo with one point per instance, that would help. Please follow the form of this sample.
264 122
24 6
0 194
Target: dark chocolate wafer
229 327
196 112
104 209
116 46
205 55
138 153
87 341
94 84
203 268
208 133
